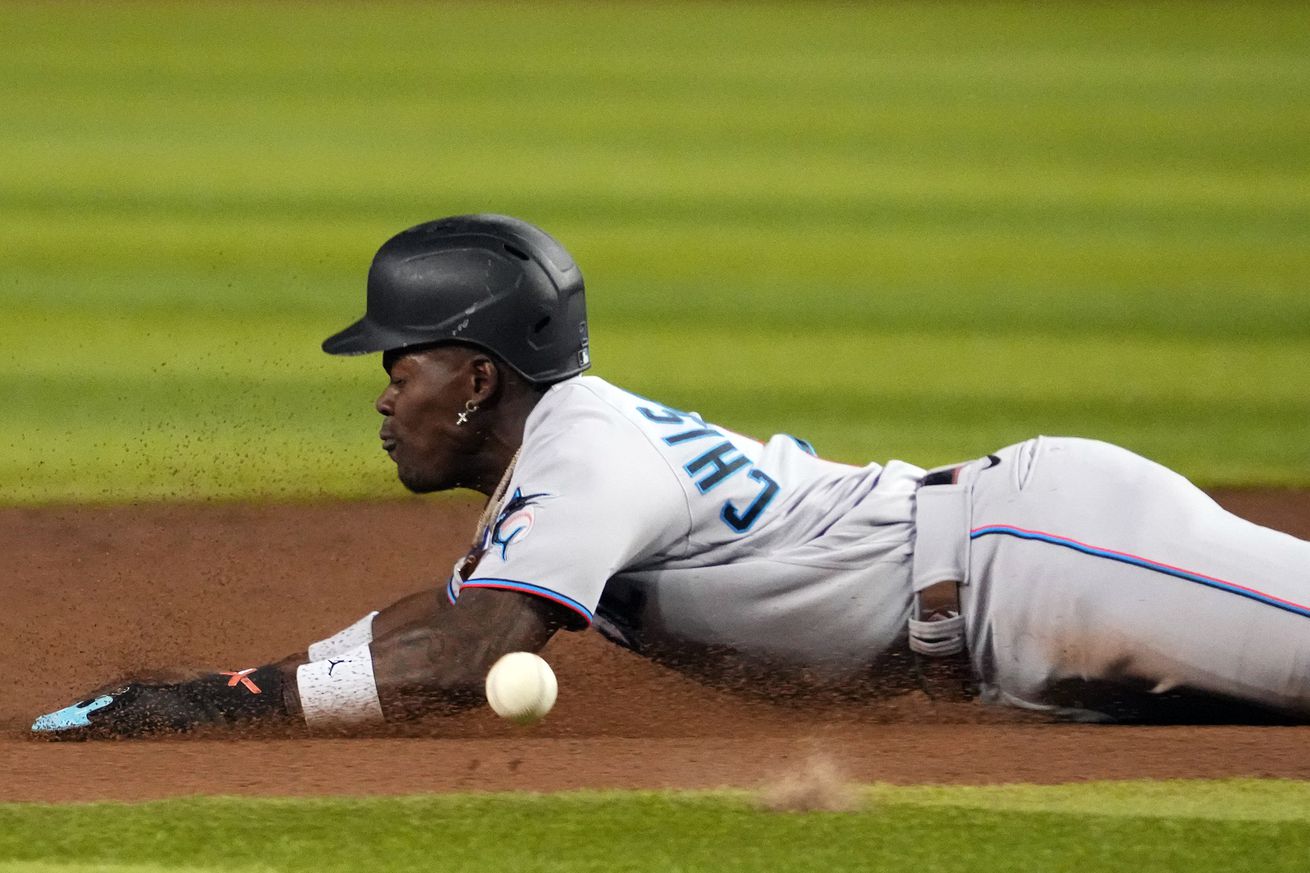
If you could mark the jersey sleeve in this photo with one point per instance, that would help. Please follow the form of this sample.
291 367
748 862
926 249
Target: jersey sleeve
589 498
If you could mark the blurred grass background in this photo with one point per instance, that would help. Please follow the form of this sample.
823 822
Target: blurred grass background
1092 827
899 230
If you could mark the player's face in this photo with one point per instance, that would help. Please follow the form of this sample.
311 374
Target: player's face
421 404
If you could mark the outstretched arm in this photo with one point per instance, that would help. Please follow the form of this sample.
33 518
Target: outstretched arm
439 663
426 656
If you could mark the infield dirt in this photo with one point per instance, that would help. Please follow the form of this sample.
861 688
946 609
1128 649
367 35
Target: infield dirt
95 593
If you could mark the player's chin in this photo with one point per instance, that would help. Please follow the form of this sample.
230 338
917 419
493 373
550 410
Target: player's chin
418 481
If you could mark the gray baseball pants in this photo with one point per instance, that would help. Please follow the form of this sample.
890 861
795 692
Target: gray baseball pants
1099 584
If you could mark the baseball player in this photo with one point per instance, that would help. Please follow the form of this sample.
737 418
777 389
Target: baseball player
1059 574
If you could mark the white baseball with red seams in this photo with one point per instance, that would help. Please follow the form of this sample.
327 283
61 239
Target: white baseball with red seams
521 687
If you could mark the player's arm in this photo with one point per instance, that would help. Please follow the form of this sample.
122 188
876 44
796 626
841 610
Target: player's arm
440 664
421 655
425 655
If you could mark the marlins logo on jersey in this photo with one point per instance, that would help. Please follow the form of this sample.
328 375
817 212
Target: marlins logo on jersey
515 521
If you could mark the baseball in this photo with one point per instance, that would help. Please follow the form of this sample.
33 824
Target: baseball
521 687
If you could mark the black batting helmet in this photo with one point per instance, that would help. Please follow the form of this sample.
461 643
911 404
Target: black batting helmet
488 280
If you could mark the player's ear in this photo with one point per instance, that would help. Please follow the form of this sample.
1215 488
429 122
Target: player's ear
485 375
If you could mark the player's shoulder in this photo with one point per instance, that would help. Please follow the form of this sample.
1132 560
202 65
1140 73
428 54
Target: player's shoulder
589 418
582 432
581 399
584 388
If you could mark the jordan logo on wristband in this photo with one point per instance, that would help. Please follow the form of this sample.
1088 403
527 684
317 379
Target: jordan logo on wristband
242 677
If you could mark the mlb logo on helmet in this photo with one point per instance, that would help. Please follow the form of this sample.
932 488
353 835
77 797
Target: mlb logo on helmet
584 353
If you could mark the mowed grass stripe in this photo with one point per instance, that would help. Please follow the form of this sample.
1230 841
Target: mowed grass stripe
234 412
1145 826
100 867
215 407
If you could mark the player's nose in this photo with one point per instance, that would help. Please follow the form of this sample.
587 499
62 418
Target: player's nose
385 404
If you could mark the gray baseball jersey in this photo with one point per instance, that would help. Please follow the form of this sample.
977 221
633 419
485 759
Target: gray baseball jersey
675 536
1084 566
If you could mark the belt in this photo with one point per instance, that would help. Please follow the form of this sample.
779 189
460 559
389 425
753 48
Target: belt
949 476
936 631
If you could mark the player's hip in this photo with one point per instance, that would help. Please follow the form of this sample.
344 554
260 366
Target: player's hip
963 511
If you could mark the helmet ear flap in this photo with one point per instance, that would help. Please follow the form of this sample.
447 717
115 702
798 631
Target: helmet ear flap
487 280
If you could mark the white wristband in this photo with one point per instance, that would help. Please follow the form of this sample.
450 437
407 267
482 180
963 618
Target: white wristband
339 691
358 634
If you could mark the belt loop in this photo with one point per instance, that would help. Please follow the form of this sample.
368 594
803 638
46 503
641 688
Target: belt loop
941 562
937 627
941 535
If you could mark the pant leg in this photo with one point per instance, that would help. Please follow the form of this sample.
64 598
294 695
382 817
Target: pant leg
1091 567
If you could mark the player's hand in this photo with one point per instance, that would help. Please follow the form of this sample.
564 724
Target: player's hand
133 709
144 707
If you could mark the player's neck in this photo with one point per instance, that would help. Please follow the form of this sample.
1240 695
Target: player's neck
504 436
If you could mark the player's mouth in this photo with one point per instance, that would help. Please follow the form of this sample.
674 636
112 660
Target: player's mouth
388 443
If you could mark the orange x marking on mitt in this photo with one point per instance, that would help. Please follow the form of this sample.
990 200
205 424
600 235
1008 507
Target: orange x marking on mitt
242 676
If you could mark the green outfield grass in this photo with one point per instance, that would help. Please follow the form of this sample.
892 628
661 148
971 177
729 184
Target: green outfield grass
1143 826
901 230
